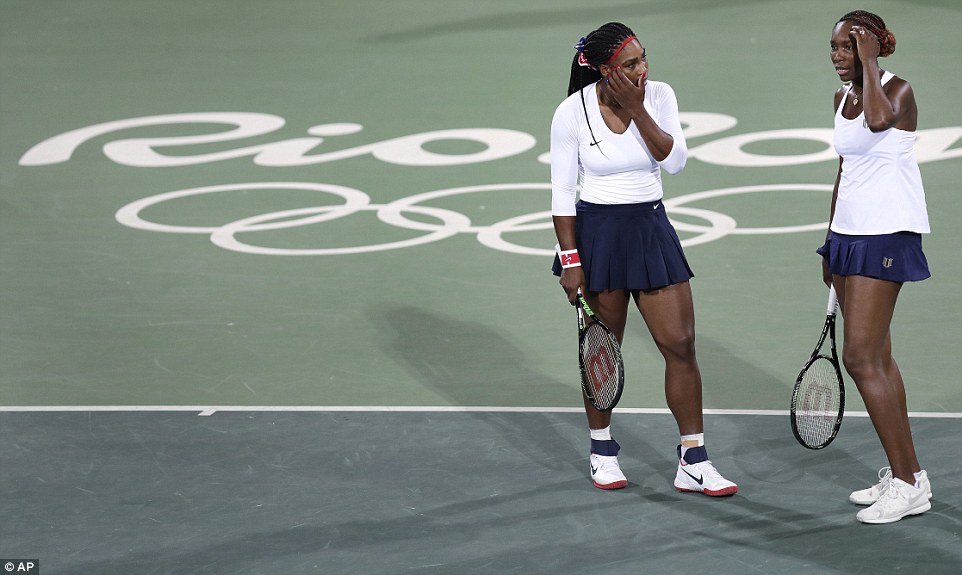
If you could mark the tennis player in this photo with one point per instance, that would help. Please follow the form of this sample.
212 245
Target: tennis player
874 245
613 134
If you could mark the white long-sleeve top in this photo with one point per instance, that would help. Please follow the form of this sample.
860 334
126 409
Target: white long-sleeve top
618 169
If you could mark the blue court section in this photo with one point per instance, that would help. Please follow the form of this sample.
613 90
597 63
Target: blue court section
453 493
314 204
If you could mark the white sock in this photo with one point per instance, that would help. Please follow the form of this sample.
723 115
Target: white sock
694 440
917 477
601 434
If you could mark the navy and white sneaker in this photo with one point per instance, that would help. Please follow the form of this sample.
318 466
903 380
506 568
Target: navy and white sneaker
605 471
697 474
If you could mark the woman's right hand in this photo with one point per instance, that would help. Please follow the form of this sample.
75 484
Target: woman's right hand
826 273
571 280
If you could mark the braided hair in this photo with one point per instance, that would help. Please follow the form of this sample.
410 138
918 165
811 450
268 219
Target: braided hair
596 49
874 24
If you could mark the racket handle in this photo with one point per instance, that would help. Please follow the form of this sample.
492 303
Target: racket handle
581 311
832 301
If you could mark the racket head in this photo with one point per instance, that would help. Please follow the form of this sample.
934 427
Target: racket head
602 366
818 402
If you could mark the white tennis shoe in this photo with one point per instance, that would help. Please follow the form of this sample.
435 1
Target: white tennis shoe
701 476
898 500
606 473
872 494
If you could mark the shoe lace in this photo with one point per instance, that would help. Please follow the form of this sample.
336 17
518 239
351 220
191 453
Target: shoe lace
893 491
708 470
608 464
884 478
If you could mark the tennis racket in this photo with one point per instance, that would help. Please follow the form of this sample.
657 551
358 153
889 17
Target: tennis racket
818 400
599 357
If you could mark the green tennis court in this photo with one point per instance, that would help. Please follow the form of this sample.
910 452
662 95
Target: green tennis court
276 291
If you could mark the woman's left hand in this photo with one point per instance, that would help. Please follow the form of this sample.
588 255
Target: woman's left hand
866 43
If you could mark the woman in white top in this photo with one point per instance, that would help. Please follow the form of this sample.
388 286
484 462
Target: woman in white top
874 245
613 135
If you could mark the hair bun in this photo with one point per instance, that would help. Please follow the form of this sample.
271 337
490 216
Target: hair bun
886 43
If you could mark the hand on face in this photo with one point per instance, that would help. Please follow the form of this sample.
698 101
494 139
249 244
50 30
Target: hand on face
866 43
624 91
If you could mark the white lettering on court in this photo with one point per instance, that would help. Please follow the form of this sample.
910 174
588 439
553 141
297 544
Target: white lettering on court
932 145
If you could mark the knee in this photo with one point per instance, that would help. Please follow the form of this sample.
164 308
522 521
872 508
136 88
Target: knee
859 363
680 346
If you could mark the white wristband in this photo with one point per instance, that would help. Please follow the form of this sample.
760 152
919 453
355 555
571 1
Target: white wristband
569 259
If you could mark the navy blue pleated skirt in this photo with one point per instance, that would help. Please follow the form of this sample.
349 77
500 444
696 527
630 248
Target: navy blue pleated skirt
628 246
894 257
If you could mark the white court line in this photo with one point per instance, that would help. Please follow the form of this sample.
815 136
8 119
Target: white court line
206 410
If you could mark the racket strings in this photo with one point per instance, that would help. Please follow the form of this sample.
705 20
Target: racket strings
601 357
818 402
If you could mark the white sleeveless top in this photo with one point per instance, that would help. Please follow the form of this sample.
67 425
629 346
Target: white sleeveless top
880 191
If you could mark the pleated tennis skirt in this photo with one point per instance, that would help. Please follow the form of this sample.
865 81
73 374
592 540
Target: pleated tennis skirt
628 246
894 257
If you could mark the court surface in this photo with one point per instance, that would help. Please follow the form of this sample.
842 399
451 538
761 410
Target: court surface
276 292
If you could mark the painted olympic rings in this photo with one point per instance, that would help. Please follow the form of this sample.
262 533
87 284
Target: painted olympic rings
449 222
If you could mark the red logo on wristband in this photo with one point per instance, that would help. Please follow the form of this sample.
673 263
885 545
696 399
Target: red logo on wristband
570 259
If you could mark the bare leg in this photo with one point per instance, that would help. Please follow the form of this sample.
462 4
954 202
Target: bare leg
867 308
670 316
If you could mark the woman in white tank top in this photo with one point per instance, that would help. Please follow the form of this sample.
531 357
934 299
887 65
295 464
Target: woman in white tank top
874 246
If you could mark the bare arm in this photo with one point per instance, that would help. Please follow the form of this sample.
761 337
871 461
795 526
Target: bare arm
571 278
892 105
